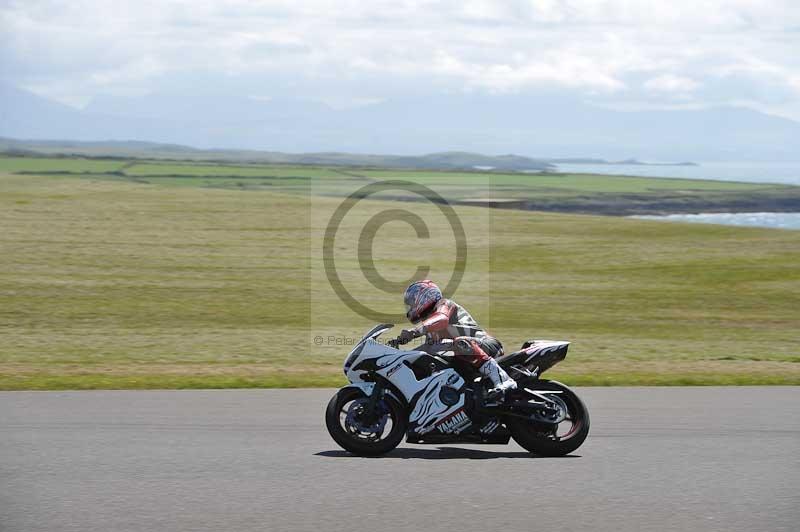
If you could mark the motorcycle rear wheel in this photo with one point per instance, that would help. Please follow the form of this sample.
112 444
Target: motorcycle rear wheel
543 439
341 418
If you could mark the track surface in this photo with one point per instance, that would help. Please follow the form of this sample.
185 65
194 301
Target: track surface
242 460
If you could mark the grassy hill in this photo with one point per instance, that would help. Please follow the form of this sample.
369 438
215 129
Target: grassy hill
110 282
159 151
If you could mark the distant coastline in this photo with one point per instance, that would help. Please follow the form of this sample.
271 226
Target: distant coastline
786 201
626 162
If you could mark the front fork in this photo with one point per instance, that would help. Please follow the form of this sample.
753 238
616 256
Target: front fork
374 391
371 411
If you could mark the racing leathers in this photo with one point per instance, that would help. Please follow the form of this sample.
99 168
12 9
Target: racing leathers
449 327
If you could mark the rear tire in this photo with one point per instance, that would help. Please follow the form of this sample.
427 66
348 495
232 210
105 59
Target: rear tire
351 442
542 439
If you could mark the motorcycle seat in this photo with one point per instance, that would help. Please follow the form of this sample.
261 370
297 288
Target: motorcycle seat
542 353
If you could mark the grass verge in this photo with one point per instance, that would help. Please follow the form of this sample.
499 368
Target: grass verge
277 380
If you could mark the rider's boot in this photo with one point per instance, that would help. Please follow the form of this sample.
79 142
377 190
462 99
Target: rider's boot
500 379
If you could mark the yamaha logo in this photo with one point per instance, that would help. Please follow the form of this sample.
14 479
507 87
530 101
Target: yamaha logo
455 423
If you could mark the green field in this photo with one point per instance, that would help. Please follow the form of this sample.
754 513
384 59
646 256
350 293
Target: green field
108 281
58 164
581 193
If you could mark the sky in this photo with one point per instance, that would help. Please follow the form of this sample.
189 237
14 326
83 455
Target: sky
617 53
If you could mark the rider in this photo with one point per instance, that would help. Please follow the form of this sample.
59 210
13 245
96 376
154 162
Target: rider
449 327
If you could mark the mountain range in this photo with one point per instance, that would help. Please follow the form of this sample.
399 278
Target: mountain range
540 126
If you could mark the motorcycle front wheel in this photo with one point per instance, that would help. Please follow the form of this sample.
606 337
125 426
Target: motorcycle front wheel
350 425
554 440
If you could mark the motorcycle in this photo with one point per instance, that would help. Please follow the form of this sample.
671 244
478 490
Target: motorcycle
436 399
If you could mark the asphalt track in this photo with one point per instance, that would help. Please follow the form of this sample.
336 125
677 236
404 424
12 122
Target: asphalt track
657 459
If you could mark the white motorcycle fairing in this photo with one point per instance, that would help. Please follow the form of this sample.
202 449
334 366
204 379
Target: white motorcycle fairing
431 412
435 402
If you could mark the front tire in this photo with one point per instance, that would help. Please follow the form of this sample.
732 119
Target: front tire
353 433
543 439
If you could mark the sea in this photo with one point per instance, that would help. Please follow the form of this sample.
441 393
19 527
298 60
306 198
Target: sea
778 220
786 173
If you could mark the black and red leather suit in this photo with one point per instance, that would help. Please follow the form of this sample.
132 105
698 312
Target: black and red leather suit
449 327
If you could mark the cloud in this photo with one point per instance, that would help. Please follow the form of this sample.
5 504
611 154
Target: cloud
671 84
372 49
558 69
